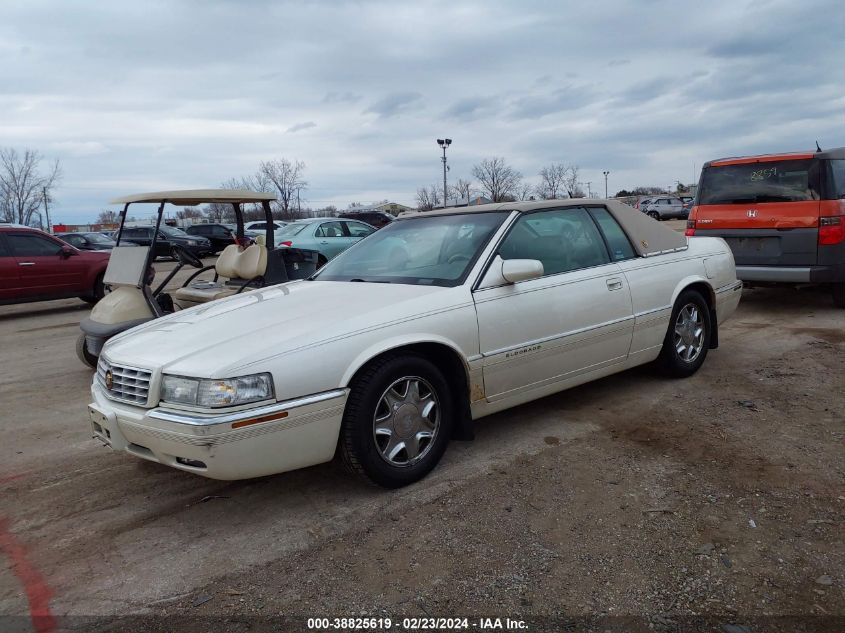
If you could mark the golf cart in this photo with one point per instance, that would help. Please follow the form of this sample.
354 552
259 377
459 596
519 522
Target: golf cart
244 265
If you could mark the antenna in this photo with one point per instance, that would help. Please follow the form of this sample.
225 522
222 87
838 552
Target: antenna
818 149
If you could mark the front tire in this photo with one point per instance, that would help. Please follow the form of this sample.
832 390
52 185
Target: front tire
654 215
83 354
688 336
397 422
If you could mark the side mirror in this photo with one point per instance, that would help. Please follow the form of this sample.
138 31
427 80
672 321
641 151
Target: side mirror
67 251
514 270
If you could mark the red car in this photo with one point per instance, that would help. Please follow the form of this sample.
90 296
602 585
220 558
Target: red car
35 266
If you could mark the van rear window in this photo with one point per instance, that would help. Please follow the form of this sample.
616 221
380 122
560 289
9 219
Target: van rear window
776 181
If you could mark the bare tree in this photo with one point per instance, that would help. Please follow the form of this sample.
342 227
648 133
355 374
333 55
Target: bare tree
189 213
287 180
552 181
525 191
23 186
498 179
428 198
108 216
570 182
462 189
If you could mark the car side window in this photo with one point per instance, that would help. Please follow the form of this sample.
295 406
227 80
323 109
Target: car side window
618 243
356 229
28 245
329 229
75 240
4 251
259 226
562 239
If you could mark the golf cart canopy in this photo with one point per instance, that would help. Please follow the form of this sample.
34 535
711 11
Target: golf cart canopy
193 197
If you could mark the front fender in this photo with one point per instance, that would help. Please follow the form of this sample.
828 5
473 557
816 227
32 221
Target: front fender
396 342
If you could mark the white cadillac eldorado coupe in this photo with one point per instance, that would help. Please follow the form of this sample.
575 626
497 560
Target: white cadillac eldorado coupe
399 343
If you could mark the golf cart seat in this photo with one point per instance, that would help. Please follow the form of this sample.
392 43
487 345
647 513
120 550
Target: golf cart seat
241 267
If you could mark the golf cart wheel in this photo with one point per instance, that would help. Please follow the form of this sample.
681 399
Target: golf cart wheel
397 422
82 352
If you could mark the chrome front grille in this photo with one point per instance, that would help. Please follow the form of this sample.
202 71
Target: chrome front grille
128 384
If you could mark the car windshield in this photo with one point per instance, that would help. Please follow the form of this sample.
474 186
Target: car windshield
98 238
292 229
744 183
434 251
172 232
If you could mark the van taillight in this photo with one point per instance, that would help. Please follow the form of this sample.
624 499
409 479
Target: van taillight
831 230
690 228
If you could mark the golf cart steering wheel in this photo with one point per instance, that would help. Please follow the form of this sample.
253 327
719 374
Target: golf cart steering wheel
185 256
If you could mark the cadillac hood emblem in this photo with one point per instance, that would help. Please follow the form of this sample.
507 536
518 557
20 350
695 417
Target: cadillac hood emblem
109 380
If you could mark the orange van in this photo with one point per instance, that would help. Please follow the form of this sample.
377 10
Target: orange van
783 216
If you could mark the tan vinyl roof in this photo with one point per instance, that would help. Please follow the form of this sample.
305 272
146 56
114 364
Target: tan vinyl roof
191 197
648 236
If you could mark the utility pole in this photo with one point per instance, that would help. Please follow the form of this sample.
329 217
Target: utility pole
589 190
46 210
606 174
444 143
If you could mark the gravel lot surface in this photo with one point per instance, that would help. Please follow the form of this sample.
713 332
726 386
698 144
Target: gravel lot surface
721 496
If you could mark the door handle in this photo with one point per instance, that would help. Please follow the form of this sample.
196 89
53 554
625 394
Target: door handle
614 284
26 263
324 242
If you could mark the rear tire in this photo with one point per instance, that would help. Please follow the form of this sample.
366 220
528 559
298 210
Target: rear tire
687 337
83 354
98 292
838 292
397 422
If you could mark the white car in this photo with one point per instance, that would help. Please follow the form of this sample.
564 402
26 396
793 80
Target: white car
403 340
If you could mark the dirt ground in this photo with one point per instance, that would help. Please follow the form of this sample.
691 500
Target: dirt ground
632 503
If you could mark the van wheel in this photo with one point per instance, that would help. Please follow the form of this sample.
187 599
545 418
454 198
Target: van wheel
397 422
838 292
688 336
82 352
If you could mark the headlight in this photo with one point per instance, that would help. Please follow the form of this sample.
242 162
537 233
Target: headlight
192 242
213 393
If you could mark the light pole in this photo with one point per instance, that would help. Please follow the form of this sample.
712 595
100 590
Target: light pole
606 174
589 189
444 143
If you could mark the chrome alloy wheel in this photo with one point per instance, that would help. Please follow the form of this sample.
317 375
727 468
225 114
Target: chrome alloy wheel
406 421
689 333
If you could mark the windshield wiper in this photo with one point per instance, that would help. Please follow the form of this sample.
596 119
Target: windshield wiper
369 281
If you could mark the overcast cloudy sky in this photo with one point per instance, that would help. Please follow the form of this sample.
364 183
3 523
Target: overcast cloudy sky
135 96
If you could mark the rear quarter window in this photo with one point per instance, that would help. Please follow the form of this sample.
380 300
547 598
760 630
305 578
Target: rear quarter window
837 171
617 241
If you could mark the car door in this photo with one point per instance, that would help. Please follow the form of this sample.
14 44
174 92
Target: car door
575 319
356 231
9 276
44 269
331 238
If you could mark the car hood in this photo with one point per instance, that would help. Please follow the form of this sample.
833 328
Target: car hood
213 339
